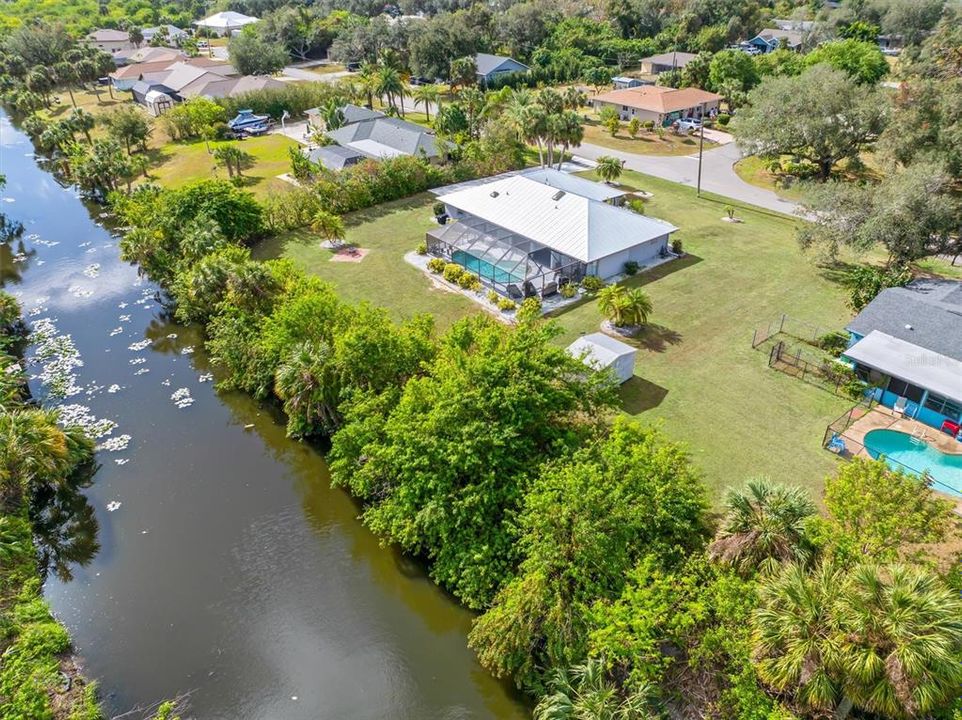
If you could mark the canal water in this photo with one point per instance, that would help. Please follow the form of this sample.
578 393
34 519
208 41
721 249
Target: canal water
210 554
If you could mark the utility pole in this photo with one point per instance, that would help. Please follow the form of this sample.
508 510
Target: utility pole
701 149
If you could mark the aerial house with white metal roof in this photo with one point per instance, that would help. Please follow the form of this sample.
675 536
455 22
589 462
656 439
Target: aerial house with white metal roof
524 237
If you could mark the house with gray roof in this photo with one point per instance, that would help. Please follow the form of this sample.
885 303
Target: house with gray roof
666 62
490 67
907 343
334 157
386 137
350 113
771 39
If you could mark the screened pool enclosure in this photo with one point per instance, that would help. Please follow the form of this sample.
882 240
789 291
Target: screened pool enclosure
504 261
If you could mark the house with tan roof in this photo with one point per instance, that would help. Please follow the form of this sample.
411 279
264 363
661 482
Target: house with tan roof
661 105
666 62
109 40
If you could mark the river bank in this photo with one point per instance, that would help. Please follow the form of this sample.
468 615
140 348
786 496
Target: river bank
226 564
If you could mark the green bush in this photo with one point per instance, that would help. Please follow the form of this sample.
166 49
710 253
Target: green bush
833 342
568 291
648 124
592 283
676 246
530 309
469 281
452 272
438 209
422 248
506 304
436 265
723 119
632 267
493 297
637 205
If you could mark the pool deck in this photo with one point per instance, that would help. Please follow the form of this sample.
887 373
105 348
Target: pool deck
882 418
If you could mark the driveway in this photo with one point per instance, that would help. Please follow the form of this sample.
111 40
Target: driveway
717 174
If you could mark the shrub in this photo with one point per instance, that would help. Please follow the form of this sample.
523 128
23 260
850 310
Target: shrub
833 342
439 209
469 281
530 309
648 125
567 291
632 267
436 265
494 298
506 304
637 205
453 272
676 246
723 119
592 283
422 248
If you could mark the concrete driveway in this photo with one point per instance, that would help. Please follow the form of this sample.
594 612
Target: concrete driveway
718 175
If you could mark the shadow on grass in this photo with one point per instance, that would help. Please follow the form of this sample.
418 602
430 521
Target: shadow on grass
359 217
837 272
662 271
638 395
657 338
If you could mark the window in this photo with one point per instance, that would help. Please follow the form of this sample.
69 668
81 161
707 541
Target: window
907 390
944 406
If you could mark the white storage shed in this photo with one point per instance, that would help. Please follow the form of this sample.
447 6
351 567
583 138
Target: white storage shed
599 351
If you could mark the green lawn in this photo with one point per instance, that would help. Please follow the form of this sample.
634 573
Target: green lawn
646 143
383 277
696 372
177 163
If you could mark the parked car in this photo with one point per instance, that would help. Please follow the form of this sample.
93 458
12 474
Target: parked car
417 80
688 125
353 66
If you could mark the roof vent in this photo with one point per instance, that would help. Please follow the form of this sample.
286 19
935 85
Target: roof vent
494 193
558 195
908 327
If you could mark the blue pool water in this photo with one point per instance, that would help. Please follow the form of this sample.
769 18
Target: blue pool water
483 268
901 451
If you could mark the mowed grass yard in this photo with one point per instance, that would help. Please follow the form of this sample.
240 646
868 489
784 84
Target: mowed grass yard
177 163
696 373
646 143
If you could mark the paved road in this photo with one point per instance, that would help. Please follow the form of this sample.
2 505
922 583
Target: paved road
718 176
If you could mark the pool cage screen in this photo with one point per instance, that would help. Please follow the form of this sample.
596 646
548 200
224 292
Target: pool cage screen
511 265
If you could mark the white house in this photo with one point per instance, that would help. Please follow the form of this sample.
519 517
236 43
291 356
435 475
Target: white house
523 237
174 34
226 23
600 352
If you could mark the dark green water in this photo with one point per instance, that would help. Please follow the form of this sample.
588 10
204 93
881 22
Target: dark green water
230 568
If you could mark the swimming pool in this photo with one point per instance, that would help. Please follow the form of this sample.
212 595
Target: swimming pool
484 268
902 452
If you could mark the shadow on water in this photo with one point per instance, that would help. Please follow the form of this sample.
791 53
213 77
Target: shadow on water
65 526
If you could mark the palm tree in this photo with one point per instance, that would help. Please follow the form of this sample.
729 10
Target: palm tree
584 692
425 95
333 114
390 86
764 527
573 98
795 635
570 133
233 158
329 226
82 121
367 77
608 168
623 307
307 385
900 641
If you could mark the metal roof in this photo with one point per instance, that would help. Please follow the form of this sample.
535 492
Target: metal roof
334 157
224 20
573 184
584 229
604 349
909 362
926 313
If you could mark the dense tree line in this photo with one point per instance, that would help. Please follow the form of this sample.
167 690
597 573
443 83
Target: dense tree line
586 540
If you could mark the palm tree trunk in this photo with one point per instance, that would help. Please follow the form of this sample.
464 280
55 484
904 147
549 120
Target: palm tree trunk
843 708
73 100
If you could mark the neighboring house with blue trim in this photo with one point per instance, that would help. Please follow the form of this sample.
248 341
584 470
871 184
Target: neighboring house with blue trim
907 343
491 66
771 39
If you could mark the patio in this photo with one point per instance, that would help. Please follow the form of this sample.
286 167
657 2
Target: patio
851 429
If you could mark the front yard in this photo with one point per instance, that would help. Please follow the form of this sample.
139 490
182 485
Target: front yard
696 372
646 143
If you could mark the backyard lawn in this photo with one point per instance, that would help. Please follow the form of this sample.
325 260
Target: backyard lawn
646 143
177 163
696 372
